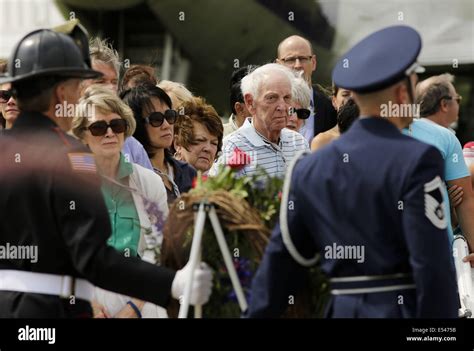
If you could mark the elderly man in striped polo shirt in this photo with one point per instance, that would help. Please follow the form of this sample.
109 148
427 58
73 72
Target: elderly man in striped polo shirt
267 93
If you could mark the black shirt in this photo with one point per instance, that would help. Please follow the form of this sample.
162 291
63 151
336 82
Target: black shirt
325 116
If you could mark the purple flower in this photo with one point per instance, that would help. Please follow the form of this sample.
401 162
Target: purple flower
155 214
244 273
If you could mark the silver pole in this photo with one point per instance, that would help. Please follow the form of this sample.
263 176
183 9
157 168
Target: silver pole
228 259
193 259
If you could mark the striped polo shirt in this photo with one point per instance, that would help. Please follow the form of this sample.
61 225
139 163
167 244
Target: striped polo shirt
274 158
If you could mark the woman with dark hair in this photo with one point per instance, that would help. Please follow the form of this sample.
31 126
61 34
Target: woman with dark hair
8 108
152 110
339 97
3 69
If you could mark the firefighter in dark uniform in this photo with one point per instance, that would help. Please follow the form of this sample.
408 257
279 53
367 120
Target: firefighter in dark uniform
51 199
374 216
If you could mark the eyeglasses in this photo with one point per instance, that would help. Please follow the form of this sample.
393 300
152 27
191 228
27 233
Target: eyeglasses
5 95
302 113
458 98
99 128
292 60
156 119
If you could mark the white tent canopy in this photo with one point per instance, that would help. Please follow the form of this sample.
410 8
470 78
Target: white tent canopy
19 17
446 27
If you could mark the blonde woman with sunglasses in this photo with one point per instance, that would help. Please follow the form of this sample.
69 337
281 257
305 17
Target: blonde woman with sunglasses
135 196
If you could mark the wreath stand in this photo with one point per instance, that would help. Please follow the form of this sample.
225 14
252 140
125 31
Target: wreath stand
205 209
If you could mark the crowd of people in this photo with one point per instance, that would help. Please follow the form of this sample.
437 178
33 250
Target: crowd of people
137 139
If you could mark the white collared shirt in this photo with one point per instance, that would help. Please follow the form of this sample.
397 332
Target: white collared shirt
274 158
230 126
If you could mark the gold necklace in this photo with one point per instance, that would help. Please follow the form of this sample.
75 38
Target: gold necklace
166 172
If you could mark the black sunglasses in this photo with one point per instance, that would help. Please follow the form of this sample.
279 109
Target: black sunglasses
302 113
99 128
156 119
5 95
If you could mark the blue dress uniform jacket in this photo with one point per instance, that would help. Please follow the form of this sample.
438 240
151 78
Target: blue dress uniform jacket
373 189
51 200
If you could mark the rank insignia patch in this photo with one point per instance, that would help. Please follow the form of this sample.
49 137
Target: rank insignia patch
435 207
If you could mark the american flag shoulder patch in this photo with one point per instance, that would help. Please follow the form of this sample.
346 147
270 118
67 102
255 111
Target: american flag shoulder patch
82 162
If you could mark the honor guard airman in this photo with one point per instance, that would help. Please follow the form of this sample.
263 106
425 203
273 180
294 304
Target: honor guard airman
369 206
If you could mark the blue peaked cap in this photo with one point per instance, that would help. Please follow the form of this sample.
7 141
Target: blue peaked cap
380 60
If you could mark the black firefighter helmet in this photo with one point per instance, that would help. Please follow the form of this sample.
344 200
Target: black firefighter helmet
46 53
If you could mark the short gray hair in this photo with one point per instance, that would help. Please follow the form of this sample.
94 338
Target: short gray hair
251 82
101 50
430 92
301 92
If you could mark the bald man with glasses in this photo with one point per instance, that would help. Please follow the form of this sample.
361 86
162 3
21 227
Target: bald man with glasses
296 52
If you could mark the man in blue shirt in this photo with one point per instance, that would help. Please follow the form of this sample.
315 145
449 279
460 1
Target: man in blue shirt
439 107
456 172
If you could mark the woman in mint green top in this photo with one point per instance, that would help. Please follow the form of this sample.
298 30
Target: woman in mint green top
105 135
122 211
135 196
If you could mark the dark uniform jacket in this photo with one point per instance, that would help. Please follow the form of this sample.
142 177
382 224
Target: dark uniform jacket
371 189
51 198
